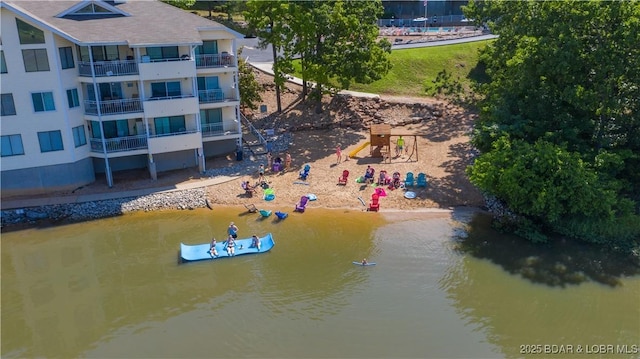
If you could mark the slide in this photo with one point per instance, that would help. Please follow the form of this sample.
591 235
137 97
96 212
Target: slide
353 153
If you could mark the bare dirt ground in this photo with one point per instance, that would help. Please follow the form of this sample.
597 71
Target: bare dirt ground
442 152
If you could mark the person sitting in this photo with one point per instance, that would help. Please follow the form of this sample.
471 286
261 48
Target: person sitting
212 250
255 242
395 181
249 190
231 246
364 262
368 175
277 164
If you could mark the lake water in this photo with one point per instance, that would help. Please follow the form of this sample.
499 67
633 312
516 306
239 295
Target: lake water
115 288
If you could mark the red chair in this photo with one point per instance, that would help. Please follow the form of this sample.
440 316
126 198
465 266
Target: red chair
343 179
374 205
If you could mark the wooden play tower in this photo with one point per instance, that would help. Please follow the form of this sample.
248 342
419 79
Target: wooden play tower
380 139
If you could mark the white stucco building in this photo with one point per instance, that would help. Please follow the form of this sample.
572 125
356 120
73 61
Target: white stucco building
92 87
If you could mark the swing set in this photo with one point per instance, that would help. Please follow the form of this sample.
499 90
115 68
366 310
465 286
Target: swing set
380 143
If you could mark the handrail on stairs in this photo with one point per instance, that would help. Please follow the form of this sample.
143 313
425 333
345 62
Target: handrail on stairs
253 130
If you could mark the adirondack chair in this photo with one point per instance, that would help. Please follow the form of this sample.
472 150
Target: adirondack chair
302 205
304 173
421 181
409 180
383 178
251 208
343 179
374 205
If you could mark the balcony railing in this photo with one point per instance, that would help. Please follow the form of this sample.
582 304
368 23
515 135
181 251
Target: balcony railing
209 96
204 61
109 68
119 144
212 129
113 107
169 97
177 133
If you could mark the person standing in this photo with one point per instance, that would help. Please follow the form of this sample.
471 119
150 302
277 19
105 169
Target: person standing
287 161
232 230
399 146
338 154
261 174
269 159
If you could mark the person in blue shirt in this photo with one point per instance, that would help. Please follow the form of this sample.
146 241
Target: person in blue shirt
233 230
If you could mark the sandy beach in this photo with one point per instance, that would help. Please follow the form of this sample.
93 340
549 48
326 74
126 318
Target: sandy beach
436 145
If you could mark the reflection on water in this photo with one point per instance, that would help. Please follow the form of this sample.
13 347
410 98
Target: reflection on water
556 263
113 288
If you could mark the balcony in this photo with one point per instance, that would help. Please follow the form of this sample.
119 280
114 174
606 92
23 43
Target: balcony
212 96
113 107
216 129
171 106
166 69
207 61
119 144
175 141
109 68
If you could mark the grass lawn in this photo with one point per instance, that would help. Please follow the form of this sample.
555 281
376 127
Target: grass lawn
414 70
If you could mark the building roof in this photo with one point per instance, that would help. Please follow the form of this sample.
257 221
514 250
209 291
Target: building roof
149 22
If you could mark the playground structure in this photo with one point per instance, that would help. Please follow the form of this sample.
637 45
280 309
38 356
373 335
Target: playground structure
380 140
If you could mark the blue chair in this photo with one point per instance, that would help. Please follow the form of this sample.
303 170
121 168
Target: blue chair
409 181
422 180
305 172
265 213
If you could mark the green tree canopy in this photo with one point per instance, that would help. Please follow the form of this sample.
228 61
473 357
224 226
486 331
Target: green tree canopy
564 74
250 89
337 40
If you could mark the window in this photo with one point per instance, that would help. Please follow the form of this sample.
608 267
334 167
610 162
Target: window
168 125
8 107
92 9
3 64
163 53
35 60
43 101
165 89
209 47
29 34
211 120
118 128
100 53
72 98
208 83
50 141
79 137
211 116
12 145
66 58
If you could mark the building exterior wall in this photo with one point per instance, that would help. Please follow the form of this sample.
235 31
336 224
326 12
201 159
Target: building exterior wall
43 179
136 111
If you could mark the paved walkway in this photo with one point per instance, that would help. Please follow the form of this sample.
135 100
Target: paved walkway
44 201
266 67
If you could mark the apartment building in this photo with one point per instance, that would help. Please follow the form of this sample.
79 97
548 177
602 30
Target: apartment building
93 87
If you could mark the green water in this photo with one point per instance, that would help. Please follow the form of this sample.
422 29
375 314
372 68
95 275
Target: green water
114 288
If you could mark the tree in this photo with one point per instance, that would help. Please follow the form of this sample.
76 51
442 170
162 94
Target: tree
250 89
337 40
564 74
268 20
183 4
